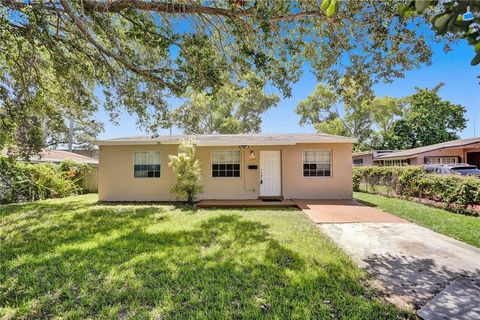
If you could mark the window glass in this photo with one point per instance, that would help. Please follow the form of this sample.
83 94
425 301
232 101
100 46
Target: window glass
146 164
226 163
442 160
358 162
402 162
317 163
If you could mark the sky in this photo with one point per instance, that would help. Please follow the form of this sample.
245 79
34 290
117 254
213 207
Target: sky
453 68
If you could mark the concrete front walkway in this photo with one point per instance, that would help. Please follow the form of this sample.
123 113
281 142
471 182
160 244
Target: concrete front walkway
343 211
411 264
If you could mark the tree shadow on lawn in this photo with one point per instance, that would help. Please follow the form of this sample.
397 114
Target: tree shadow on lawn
366 203
108 264
34 211
413 280
177 205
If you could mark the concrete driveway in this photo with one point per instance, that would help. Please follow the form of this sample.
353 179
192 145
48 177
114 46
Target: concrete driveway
343 211
410 263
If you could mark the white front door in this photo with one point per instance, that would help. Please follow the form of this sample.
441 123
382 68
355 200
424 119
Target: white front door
270 174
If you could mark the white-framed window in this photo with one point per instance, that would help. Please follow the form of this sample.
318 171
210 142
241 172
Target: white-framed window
146 164
442 160
317 163
398 162
226 163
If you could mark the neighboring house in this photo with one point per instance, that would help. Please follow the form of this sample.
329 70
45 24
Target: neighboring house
365 158
57 156
244 166
86 152
456 151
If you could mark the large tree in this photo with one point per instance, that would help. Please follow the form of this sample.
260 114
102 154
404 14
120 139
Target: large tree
428 119
55 53
230 108
349 113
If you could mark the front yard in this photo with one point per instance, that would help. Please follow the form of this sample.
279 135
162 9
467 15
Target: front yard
74 258
458 226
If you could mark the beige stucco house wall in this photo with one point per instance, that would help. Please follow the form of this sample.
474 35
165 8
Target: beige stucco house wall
116 180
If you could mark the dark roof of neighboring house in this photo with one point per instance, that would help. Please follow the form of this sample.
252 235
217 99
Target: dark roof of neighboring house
362 153
232 139
373 152
416 151
59 156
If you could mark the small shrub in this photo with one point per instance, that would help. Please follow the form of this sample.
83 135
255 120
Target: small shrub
187 170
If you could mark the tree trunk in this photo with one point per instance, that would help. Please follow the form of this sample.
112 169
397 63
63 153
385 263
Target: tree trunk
190 198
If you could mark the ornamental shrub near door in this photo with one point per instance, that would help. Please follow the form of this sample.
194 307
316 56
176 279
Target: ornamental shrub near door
187 171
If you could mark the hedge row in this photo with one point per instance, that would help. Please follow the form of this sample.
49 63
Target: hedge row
458 193
21 181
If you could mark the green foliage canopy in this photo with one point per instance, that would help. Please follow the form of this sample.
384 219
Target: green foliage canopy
55 55
421 119
231 108
428 120
455 18
349 114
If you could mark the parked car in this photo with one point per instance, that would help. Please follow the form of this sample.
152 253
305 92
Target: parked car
462 169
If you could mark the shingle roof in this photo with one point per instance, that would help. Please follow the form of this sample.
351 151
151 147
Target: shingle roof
59 156
232 139
413 152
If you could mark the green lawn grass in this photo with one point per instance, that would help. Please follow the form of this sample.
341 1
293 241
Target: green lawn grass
461 227
75 258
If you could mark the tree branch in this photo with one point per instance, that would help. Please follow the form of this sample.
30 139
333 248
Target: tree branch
115 6
83 29
161 6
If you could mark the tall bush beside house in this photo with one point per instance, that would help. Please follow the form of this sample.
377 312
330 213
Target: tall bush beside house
187 170
75 171
13 180
21 181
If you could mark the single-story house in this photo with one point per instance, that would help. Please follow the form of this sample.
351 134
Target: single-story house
365 158
234 166
456 151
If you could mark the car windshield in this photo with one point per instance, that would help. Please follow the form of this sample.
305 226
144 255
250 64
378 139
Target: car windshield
466 170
